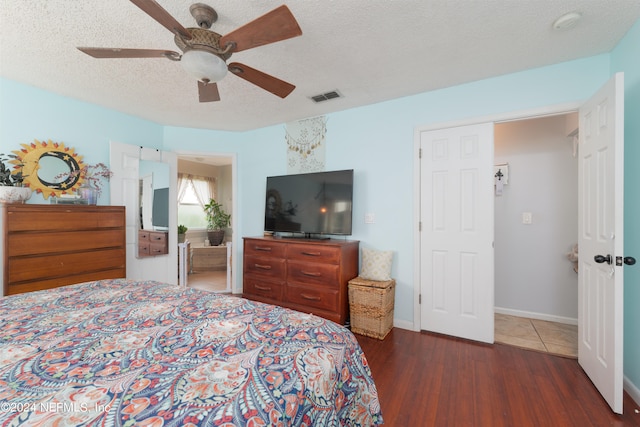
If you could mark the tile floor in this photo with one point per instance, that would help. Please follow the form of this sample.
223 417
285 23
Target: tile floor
215 281
550 337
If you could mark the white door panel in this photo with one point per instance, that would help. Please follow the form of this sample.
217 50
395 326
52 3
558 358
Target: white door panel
456 242
600 225
125 187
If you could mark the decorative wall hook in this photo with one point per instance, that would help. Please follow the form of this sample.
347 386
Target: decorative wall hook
501 177
501 173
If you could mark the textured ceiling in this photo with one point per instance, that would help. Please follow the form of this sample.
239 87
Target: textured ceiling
368 50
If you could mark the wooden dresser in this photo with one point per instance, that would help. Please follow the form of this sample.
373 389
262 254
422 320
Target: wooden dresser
152 243
47 246
306 275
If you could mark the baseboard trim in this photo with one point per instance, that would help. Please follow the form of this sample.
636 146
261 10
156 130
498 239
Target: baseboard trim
538 316
403 324
633 391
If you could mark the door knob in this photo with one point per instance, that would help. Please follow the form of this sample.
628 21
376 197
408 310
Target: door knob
600 259
629 260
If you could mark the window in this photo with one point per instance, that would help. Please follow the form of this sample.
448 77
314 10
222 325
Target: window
193 193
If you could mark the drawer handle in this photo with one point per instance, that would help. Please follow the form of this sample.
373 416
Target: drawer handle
311 253
262 267
311 273
310 297
263 288
263 248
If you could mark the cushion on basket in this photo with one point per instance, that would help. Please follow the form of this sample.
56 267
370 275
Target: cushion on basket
376 265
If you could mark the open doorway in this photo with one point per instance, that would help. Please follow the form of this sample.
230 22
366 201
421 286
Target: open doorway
208 266
536 211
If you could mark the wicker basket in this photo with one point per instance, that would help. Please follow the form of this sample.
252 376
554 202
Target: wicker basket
371 306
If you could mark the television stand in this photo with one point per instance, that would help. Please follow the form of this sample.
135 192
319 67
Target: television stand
311 276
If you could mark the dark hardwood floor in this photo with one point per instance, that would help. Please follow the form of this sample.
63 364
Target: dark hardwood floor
433 380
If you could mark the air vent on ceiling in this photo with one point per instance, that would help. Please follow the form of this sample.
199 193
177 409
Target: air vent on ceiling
326 96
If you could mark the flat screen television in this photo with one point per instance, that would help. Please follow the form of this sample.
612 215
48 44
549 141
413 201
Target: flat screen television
160 209
311 204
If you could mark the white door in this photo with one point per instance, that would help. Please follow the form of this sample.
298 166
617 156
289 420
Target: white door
600 225
456 241
124 188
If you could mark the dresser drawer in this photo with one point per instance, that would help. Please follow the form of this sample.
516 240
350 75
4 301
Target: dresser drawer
144 249
270 268
65 265
313 297
64 218
314 253
313 273
263 288
264 248
157 249
158 237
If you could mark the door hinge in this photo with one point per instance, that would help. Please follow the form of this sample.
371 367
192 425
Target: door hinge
419 153
419 225
419 298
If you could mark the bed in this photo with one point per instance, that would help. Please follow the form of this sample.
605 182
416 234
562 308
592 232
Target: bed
144 353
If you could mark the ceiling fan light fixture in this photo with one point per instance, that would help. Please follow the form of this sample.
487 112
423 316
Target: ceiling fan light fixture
203 65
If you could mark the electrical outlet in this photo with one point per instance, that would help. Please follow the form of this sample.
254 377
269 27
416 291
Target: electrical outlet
369 218
527 218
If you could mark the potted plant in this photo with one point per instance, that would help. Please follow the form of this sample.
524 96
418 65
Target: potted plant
11 189
182 230
217 220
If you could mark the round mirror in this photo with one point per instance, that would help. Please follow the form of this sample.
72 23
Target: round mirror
55 172
48 167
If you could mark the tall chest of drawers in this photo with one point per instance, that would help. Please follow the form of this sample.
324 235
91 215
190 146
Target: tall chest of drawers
47 246
306 275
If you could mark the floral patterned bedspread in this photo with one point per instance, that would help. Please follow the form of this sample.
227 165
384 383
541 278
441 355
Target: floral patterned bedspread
124 353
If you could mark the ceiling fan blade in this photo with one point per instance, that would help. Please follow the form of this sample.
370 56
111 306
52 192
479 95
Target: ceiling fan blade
108 52
157 12
265 81
208 92
279 24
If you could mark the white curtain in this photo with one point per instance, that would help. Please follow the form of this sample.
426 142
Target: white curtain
182 185
205 189
203 186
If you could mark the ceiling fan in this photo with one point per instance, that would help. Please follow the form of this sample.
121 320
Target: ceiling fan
204 52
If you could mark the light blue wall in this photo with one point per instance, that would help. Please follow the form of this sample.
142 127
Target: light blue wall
28 113
626 57
376 141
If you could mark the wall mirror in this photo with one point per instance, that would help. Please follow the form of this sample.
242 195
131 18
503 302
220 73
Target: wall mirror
153 209
48 167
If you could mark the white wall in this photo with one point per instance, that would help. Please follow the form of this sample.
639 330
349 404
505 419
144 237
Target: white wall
532 272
